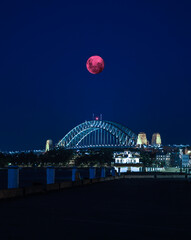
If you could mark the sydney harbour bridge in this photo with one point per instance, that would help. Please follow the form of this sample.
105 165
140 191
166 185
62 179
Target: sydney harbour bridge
96 133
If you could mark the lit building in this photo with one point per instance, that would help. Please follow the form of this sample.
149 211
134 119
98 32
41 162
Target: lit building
164 158
126 157
127 161
186 162
49 145
142 139
156 139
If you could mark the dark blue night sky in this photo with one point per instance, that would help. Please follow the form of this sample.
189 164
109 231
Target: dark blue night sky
46 89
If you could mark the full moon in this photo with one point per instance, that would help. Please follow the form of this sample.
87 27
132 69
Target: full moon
95 64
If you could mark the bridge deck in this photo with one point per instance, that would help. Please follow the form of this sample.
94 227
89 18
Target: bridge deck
120 209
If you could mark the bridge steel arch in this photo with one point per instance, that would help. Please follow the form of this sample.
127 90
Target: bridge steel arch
73 138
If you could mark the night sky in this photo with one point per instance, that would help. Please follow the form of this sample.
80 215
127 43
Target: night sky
46 89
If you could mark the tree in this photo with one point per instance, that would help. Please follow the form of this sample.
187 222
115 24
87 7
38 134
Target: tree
146 159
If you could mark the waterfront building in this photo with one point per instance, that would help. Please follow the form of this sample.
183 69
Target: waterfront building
163 158
127 161
126 157
186 161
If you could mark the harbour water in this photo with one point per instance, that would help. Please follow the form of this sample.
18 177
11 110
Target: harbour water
29 176
35 176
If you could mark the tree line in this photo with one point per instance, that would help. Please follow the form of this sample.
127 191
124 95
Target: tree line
53 157
58 157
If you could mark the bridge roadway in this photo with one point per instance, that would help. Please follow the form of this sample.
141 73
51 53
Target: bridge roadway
119 209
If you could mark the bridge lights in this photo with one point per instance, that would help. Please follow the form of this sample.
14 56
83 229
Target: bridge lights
119 135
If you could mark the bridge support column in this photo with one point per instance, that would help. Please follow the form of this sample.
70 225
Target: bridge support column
102 172
91 172
50 175
74 170
113 171
119 171
13 177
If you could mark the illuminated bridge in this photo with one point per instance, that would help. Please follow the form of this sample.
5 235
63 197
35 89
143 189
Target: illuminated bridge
97 133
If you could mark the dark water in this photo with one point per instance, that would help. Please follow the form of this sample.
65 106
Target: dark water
32 176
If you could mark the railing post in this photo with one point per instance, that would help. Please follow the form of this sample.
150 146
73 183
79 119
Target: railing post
13 177
74 170
113 171
102 172
92 172
50 175
119 169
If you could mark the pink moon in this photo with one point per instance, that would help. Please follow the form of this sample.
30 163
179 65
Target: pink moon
95 64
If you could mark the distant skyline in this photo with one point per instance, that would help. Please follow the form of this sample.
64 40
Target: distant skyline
46 89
